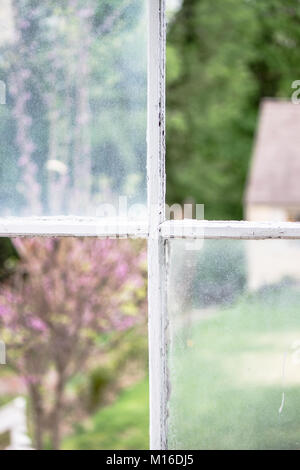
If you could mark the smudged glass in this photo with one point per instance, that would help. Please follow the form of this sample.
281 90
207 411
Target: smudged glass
73 106
234 352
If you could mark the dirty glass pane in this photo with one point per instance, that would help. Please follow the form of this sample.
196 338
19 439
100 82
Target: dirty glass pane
234 352
73 106
73 320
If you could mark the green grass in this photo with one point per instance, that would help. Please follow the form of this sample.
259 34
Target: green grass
122 425
226 376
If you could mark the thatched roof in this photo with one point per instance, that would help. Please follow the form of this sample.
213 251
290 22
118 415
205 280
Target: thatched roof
275 173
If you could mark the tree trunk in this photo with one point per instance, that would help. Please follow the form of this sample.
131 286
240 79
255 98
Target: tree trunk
38 417
57 415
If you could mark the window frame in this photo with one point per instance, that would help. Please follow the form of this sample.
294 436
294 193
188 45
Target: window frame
156 229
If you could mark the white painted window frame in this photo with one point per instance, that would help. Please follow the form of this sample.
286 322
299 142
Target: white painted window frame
157 230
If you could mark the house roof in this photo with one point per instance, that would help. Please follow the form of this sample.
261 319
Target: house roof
275 172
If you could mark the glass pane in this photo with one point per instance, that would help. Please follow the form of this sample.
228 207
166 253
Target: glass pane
73 319
234 352
233 118
73 106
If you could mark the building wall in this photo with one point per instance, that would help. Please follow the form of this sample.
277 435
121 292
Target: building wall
261 212
271 261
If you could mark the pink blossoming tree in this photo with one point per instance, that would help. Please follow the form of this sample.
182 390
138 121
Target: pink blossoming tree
63 295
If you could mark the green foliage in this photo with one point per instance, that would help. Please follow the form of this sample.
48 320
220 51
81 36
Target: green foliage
4 440
223 58
229 367
123 425
8 257
126 357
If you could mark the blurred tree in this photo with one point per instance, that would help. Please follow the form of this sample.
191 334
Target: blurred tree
223 58
72 70
66 298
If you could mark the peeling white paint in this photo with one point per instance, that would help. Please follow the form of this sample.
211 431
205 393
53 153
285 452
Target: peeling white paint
73 227
245 230
156 205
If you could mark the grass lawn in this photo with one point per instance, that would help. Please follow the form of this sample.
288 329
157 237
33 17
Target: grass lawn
122 425
228 374
230 368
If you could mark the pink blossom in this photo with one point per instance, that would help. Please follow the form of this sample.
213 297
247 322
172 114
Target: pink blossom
30 380
122 270
4 311
37 324
64 294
